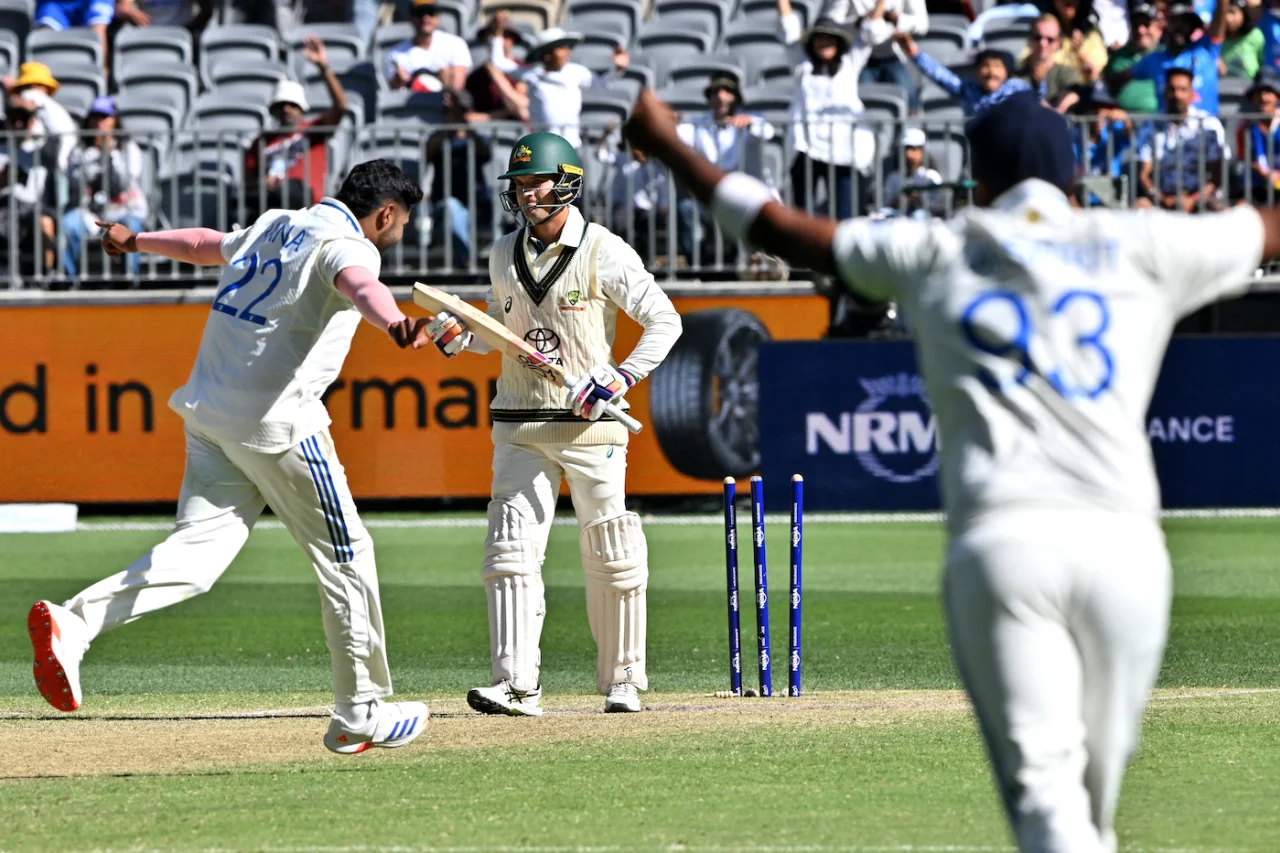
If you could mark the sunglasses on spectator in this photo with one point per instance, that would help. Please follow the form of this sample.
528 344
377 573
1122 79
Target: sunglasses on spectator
1049 39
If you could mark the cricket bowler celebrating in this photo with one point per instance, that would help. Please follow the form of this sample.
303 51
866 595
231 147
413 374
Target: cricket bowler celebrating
291 294
559 282
1039 330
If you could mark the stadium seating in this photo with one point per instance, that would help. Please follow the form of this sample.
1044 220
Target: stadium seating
252 84
341 42
1231 100
705 16
247 44
596 50
662 45
10 53
15 17
1010 36
76 46
949 150
947 43
538 14
602 107
79 83
605 17
759 46
768 102
765 12
164 83
700 71
406 107
144 46
228 115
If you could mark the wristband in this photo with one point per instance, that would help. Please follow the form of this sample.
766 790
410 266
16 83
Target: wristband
737 201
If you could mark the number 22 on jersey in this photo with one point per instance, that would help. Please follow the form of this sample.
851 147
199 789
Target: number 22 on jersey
268 271
999 323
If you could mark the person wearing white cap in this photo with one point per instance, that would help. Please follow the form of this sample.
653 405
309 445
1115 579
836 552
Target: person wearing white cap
902 189
287 167
555 83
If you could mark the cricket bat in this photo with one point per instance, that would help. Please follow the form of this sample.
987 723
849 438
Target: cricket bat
507 342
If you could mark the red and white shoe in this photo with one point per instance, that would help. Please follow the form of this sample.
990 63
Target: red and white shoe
390 725
59 639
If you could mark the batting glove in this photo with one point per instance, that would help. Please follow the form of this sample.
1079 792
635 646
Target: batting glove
599 387
448 334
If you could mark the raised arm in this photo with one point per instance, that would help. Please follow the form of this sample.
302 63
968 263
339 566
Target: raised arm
199 246
930 67
1218 24
742 205
313 51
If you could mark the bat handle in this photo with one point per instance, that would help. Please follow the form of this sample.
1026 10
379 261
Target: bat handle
633 426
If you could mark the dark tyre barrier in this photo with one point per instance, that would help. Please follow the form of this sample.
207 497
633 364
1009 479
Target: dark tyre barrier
704 399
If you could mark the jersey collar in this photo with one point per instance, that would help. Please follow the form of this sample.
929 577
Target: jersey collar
344 210
1036 199
570 235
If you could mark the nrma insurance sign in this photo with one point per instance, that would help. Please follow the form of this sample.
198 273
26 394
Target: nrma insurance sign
892 433
853 417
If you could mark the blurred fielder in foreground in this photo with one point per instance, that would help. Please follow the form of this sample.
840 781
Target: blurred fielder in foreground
559 283
291 294
1040 331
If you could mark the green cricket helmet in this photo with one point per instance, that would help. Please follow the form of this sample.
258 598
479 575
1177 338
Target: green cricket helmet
543 154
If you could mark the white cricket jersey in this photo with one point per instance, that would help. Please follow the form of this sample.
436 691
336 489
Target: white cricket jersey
278 330
1040 331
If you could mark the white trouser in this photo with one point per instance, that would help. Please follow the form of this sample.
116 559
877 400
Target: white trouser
526 484
224 490
1058 623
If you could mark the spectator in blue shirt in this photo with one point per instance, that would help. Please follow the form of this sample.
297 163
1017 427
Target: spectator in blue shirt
62 14
991 70
1188 45
1103 137
1258 141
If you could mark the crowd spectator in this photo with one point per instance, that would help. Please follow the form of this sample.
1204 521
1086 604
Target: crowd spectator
1269 24
555 83
53 129
22 181
830 145
106 174
722 135
433 60
1104 137
1047 77
62 14
1112 18
1244 44
165 13
1187 45
991 71
1182 162
277 14
458 156
497 93
638 194
886 62
1145 29
907 189
1258 140
287 166
1080 44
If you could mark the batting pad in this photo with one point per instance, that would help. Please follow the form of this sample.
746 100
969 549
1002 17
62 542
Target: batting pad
513 586
615 559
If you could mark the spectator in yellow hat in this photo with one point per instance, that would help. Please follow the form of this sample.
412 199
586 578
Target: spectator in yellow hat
53 125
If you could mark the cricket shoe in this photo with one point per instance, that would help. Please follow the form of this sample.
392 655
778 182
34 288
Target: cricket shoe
623 698
502 698
391 724
59 639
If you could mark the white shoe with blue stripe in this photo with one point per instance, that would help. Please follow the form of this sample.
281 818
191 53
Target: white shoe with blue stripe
390 725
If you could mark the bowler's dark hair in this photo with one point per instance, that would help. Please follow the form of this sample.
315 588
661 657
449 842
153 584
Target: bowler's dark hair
374 183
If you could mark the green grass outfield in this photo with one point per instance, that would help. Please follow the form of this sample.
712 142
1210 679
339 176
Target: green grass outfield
175 750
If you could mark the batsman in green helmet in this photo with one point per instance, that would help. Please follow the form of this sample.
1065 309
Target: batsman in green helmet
558 282
546 177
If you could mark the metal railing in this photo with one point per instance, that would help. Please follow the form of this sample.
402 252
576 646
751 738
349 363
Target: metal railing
223 178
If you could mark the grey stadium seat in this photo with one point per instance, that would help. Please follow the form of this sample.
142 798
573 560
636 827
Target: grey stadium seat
1231 100
759 46
946 44
403 145
605 17
599 107
144 46
885 104
699 15
10 53
662 45
773 105
538 14
245 43
15 17
168 83
253 84
80 82
941 107
684 99
215 112
341 41
765 12
78 45
76 99
949 151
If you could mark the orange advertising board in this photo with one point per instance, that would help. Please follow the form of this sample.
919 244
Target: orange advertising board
84 415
